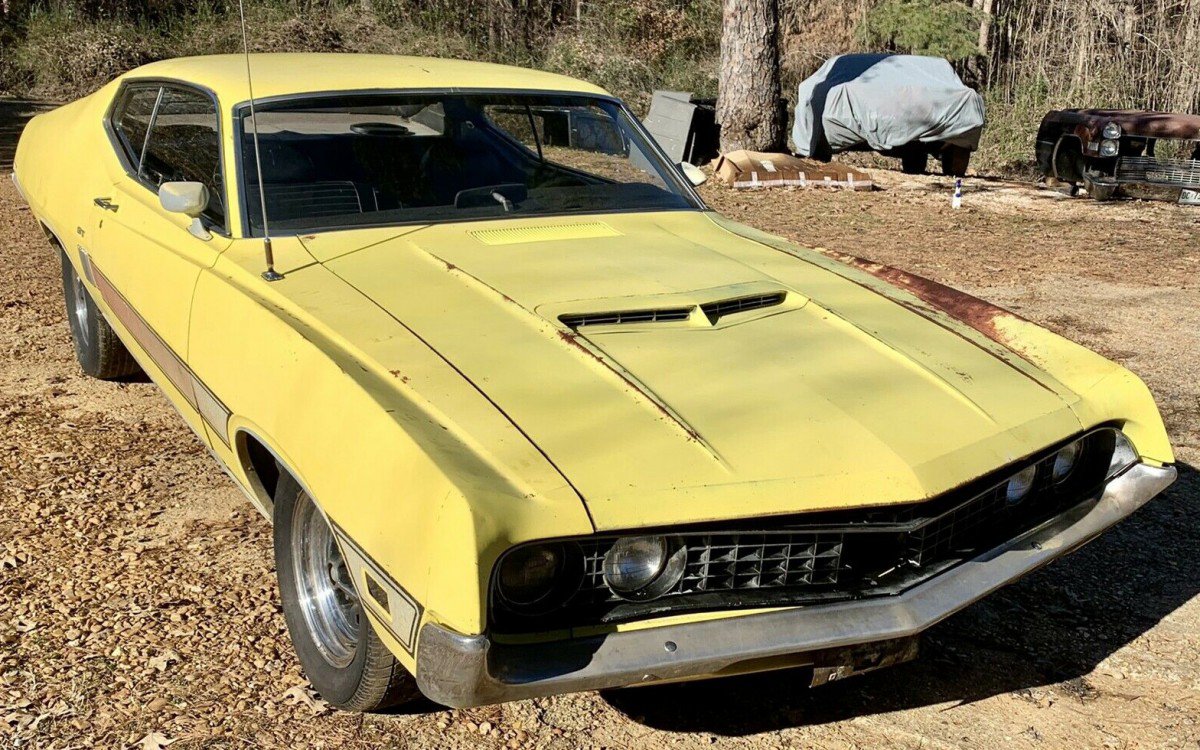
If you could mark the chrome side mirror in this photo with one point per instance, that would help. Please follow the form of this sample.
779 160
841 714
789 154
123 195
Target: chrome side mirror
694 174
189 199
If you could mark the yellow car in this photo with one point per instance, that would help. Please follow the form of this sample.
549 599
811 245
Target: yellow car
526 416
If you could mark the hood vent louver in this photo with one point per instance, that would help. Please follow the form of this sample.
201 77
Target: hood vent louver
714 311
669 315
717 310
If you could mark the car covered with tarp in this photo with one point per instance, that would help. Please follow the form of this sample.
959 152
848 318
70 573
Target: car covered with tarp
906 106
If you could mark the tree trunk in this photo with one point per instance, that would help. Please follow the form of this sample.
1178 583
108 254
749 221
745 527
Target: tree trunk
748 97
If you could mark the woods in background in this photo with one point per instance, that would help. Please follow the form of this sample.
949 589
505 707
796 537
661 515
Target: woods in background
1027 56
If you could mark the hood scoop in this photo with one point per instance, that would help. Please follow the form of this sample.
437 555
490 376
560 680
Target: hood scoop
713 311
719 309
620 317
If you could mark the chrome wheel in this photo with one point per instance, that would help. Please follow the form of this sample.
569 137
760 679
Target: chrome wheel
326 595
80 310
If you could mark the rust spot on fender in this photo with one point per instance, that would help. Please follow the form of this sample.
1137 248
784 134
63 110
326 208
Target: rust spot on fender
397 374
980 315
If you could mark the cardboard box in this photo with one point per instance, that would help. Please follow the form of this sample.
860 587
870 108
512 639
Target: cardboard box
754 169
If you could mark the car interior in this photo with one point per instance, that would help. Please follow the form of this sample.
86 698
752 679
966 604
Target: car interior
438 160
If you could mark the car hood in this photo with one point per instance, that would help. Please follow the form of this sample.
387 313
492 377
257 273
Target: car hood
784 385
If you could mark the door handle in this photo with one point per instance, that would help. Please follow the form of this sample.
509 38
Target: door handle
106 204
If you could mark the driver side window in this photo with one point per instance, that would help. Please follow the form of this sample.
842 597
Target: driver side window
184 145
171 137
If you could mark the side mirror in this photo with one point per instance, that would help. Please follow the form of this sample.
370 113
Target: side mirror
694 174
189 199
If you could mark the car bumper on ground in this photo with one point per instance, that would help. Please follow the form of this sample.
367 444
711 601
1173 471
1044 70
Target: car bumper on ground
468 670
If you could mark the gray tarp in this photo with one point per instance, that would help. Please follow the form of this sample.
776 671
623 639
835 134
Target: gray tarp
884 101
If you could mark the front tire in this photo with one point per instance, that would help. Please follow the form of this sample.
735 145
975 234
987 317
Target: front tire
97 348
955 161
344 659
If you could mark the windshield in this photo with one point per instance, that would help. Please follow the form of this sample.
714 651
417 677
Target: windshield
335 162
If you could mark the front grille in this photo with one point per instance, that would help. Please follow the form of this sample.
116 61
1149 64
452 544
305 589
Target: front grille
826 556
1183 173
666 315
733 562
717 310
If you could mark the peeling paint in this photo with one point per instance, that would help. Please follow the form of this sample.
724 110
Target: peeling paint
978 314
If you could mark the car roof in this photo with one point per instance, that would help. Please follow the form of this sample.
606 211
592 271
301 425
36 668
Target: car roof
281 74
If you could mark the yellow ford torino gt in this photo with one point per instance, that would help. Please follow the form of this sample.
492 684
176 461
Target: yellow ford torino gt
526 416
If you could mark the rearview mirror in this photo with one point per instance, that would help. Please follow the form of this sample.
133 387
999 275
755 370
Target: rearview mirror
189 199
694 174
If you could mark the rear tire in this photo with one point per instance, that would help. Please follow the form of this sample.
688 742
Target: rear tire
97 347
955 160
913 162
344 659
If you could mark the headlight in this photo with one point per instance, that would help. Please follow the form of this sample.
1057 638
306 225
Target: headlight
528 575
1112 131
1109 148
1064 462
1124 455
643 567
1020 485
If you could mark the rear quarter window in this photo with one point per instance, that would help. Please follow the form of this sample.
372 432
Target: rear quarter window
131 120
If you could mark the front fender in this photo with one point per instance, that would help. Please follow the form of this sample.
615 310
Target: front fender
415 467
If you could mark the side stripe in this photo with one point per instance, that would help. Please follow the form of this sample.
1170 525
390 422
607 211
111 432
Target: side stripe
193 390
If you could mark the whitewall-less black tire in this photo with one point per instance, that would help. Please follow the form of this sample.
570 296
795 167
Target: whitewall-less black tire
342 656
100 353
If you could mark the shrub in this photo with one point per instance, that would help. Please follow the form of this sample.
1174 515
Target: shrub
941 28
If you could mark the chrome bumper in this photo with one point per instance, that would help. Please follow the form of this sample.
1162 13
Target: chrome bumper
470 670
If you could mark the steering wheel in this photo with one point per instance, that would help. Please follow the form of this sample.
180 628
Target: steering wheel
389 129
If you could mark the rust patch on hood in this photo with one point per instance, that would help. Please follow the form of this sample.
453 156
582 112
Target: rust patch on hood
979 315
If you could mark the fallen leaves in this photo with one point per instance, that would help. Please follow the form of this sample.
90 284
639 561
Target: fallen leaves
154 741
304 695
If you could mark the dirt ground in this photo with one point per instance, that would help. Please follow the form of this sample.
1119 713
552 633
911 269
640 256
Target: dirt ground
138 604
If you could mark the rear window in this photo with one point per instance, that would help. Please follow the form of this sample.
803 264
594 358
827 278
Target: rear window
380 159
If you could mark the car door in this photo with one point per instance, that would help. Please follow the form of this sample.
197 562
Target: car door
145 260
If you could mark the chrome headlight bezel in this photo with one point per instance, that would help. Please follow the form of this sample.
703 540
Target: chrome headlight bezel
1111 131
1109 148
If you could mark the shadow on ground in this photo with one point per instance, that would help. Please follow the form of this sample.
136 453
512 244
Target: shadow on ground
14 113
1052 628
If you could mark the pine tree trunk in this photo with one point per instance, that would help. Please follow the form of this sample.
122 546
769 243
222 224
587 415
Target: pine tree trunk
748 98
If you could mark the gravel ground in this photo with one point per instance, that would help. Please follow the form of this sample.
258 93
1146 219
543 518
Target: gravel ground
139 606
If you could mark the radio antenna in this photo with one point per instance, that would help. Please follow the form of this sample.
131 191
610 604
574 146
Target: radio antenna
270 274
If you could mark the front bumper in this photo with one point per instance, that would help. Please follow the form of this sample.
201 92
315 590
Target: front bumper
470 670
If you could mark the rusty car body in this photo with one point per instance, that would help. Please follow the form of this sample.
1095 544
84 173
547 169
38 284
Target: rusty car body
1115 151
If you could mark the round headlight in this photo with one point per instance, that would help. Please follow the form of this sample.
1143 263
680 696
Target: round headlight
1064 462
1109 147
1112 131
1020 485
634 562
644 567
530 574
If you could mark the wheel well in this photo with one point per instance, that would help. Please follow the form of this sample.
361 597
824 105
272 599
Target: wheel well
1069 161
261 467
50 235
